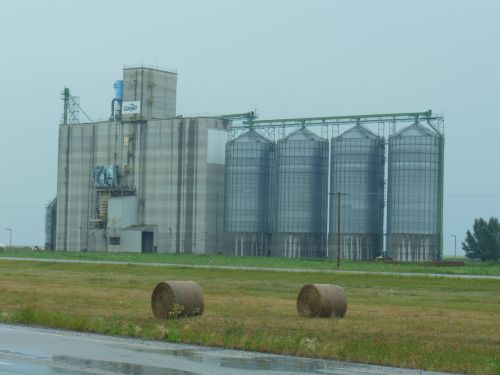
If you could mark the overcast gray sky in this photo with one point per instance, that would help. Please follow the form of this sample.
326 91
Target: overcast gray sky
285 58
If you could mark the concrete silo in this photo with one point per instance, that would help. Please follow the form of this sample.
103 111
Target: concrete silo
357 171
50 225
415 194
301 196
249 170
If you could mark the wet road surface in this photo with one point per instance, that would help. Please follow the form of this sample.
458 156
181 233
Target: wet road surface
28 350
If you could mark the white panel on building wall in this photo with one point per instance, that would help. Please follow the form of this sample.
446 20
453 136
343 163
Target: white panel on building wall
216 146
130 108
122 212
131 241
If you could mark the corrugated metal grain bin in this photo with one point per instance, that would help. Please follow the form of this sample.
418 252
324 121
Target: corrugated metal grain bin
301 196
415 194
249 170
357 169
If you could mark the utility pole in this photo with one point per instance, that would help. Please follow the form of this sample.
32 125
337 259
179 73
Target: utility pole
455 237
339 194
10 236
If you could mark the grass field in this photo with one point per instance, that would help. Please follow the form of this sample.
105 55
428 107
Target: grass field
470 268
428 323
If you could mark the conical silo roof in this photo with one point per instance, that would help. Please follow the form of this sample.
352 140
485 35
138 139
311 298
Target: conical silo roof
302 134
358 131
416 130
251 136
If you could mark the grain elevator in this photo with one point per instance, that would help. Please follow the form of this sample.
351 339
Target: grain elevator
148 180
145 179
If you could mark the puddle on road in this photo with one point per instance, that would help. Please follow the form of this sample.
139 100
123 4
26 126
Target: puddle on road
288 364
268 363
118 367
214 358
192 355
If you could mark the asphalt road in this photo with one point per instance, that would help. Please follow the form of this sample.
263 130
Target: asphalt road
29 350
268 269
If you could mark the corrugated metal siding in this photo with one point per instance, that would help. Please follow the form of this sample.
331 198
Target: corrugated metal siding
301 195
357 169
414 194
249 171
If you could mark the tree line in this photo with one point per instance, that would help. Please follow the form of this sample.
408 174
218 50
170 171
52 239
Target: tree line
483 242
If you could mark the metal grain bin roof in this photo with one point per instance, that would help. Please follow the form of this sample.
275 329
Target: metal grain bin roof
251 136
358 131
416 130
302 134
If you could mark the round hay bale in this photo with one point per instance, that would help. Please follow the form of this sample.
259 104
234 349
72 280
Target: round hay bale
173 299
321 301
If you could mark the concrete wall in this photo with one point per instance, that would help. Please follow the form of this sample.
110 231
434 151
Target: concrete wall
298 245
413 247
355 246
50 225
96 240
247 244
178 183
155 89
179 190
81 148
72 187
122 212
131 241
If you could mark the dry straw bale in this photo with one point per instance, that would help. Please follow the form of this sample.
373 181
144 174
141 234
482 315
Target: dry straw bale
321 301
172 299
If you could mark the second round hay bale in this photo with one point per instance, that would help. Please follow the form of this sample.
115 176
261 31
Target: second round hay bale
321 301
172 299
